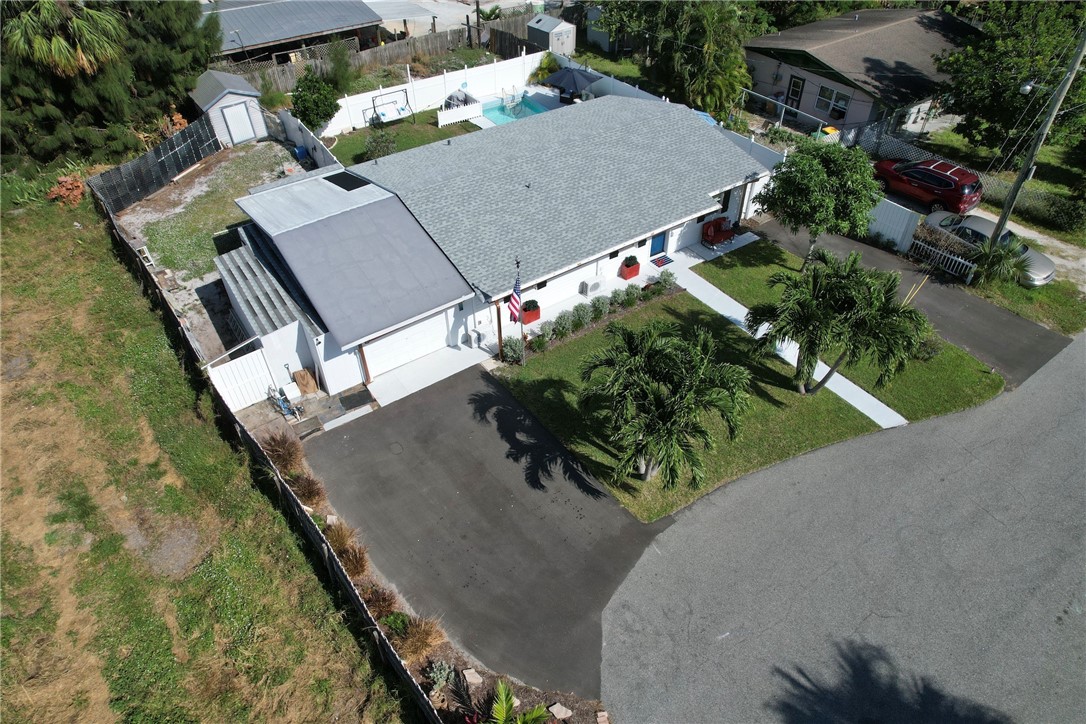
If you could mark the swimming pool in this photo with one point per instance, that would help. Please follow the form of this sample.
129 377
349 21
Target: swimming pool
499 114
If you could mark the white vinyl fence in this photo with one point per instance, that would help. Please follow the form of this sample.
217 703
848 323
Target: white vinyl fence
950 263
459 115
299 135
243 381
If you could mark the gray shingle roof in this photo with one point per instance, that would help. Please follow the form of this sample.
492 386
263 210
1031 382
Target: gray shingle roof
562 187
886 52
212 85
264 22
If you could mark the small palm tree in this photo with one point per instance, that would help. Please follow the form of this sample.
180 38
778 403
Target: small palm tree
67 37
1000 262
502 710
629 363
492 14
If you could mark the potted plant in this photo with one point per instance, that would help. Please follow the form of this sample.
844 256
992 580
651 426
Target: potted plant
531 311
630 267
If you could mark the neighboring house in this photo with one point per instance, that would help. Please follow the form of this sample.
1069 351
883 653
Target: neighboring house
553 34
416 252
856 68
274 29
233 106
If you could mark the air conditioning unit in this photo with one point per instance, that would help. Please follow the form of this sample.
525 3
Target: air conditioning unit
592 285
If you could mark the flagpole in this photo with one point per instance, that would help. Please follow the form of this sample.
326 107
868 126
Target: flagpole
520 317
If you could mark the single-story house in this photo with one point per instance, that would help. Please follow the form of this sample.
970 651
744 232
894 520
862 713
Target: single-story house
857 68
416 252
273 29
553 34
232 104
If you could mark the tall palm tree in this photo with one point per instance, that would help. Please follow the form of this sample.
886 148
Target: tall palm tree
658 386
66 36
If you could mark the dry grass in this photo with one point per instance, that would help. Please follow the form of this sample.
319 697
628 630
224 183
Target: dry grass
380 601
340 536
354 560
308 489
285 450
423 636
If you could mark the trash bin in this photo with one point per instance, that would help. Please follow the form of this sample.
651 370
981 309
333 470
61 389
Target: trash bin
300 153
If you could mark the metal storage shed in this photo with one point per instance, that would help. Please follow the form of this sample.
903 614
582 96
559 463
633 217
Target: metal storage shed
554 34
232 105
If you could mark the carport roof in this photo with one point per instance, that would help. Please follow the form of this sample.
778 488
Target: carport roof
265 22
562 187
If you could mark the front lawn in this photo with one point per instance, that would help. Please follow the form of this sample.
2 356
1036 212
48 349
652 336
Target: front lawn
953 380
1058 305
350 148
780 425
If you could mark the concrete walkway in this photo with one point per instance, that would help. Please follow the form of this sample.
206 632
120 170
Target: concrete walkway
736 313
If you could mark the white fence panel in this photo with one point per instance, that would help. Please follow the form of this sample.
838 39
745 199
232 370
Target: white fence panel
243 381
762 154
607 86
299 135
486 80
944 260
458 115
895 223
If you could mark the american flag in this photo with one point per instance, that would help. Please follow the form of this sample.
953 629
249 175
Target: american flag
514 300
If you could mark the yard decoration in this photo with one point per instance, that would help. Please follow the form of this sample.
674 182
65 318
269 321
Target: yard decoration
530 311
630 267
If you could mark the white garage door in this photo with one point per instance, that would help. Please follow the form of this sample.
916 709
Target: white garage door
408 344
238 123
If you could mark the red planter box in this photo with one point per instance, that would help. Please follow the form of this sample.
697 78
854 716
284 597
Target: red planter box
531 316
629 272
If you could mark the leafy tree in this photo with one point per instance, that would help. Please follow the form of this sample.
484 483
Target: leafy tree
314 101
1000 262
1021 42
381 143
655 387
838 306
824 187
502 711
66 38
786 15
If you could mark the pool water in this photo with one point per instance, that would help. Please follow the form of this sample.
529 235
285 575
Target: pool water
499 115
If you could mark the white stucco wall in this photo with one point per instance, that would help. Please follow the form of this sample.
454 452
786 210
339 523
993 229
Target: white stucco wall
339 370
771 77
287 346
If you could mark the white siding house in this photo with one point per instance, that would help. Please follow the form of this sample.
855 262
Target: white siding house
233 106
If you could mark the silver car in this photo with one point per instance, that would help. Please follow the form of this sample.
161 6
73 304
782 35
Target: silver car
974 230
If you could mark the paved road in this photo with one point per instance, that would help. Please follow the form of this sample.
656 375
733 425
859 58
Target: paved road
1013 345
933 572
481 517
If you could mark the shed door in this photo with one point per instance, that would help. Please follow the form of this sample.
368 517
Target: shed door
238 123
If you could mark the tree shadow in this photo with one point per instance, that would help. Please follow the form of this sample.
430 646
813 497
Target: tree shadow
869 687
543 457
736 347
899 82
760 254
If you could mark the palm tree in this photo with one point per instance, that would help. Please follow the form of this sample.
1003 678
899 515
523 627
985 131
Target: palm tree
501 711
656 387
492 14
65 36
1000 261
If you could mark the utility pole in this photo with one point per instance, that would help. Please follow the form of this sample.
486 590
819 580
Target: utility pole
1042 132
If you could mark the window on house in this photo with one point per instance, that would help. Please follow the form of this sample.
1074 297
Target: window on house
835 102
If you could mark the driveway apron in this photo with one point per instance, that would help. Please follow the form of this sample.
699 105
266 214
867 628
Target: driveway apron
480 517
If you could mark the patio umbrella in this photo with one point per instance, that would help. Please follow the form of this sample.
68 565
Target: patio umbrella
571 79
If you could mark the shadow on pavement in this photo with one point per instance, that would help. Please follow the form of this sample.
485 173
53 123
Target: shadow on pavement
870 688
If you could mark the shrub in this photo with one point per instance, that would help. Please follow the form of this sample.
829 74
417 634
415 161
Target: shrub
513 350
355 561
631 260
547 66
530 305
600 307
285 451
631 295
666 280
308 489
380 143
396 622
546 329
582 316
314 101
441 674
999 262
650 292
340 536
617 297
340 74
420 638
563 325
270 97
380 601
538 343
929 348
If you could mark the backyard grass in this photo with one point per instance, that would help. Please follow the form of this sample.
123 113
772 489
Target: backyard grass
182 240
349 149
146 578
624 69
781 423
953 380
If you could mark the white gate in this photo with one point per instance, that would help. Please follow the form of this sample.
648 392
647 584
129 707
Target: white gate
243 381
238 123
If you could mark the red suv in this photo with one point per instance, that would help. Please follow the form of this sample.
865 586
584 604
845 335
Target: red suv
939 185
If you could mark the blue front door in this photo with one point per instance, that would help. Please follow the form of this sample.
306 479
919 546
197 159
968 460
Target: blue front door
657 244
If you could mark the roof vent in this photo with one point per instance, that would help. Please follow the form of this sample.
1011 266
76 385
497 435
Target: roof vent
346 181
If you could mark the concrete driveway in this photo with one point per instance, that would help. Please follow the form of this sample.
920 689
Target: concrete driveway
1015 346
479 516
928 573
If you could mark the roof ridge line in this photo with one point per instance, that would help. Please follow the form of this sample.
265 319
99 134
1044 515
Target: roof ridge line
868 30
